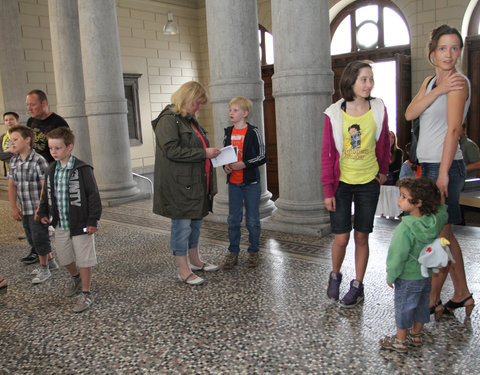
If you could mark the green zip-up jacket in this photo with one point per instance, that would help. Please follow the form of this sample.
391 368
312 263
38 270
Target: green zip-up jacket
180 179
411 235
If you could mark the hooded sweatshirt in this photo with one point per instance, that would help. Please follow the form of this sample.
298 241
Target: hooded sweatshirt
411 235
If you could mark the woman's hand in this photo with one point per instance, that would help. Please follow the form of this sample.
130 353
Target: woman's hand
212 152
452 82
330 204
442 184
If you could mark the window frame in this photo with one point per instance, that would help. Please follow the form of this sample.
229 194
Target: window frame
130 83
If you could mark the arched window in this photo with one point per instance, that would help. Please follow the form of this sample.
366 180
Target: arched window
376 31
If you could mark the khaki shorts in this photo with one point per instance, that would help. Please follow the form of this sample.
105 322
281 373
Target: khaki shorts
79 249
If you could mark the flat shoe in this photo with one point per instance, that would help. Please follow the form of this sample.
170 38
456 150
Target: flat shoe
205 267
196 281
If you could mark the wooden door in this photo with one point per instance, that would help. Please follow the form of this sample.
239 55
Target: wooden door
473 117
404 97
270 131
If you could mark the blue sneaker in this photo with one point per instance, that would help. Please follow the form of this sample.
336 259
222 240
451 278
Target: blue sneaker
354 296
334 285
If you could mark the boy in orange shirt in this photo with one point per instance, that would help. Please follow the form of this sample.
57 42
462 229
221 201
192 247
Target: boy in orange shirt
243 178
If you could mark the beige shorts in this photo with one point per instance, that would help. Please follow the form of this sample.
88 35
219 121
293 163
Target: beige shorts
79 249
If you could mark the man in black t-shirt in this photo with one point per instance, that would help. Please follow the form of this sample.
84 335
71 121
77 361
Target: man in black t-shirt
42 121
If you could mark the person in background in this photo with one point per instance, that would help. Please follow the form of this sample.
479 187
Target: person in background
471 154
396 160
11 119
184 183
408 168
354 165
442 104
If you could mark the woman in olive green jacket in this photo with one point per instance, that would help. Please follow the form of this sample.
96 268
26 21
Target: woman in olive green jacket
184 183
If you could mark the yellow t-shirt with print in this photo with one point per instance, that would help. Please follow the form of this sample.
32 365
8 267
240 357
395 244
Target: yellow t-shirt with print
358 164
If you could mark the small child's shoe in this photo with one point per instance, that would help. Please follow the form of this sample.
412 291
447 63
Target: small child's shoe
392 343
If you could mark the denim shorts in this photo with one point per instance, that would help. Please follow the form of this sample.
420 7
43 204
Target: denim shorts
364 198
184 235
412 300
456 182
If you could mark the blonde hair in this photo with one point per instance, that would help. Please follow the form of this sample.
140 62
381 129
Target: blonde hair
188 94
245 104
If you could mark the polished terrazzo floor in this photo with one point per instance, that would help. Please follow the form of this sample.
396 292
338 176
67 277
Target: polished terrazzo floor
274 319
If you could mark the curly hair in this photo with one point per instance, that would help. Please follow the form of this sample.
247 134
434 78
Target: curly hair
423 190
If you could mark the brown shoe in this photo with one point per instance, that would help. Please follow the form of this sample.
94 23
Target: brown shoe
253 259
230 261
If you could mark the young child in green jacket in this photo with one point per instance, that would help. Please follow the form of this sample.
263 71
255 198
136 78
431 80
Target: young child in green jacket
421 198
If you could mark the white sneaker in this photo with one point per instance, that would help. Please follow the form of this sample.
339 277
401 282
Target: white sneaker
84 302
43 275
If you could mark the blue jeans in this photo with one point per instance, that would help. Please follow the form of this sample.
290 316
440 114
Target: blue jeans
184 235
365 199
412 299
456 182
250 194
37 235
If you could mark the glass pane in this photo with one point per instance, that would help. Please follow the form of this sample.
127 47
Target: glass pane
269 47
385 76
395 29
342 39
366 13
367 35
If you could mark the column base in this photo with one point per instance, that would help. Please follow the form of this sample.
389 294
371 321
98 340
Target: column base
299 217
114 195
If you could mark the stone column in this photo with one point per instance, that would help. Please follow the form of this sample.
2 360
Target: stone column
233 50
105 102
12 69
67 64
302 87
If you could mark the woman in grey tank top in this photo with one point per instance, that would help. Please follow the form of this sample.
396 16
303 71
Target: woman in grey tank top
442 104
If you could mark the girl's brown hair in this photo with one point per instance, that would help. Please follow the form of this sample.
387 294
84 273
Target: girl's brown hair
348 78
435 36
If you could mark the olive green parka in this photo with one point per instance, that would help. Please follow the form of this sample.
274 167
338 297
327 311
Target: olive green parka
180 179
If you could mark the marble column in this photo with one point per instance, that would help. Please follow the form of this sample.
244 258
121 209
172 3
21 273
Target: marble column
233 50
12 68
67 66
105 102
302 87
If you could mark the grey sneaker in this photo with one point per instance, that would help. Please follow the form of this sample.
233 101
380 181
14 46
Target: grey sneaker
74 286
84 302
52 266
230 261
43 275
354 296
334 285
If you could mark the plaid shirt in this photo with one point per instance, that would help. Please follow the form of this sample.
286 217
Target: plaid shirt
61 192
28 176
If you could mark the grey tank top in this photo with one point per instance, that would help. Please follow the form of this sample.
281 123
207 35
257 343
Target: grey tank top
433 127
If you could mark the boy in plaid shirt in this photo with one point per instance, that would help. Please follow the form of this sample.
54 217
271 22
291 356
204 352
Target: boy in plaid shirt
26 175
72 199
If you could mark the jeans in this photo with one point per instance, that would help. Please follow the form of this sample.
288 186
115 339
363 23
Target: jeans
456 175
365 199
184 235
412 299
237 195
37 235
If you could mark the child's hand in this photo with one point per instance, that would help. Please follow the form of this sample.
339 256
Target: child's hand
383 178
330 204
44 220
91 230
227 169
238 165
17 214
390 285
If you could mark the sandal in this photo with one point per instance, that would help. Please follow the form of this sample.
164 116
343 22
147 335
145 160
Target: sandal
414 339
3 288
450 306
392 343
192 281
437 309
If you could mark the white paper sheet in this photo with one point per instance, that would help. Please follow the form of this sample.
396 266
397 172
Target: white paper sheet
227 155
